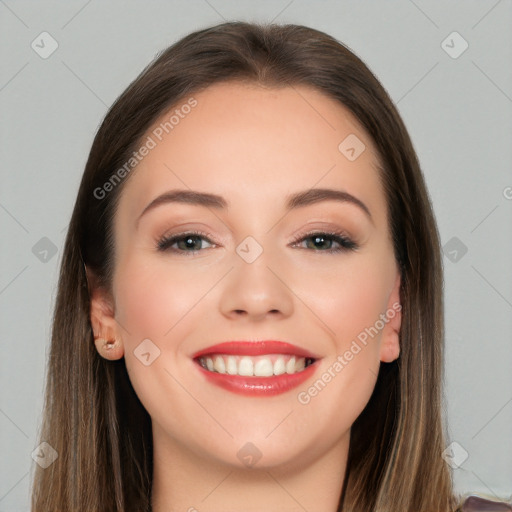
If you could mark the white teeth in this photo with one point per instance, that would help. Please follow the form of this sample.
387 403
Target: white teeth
231 365
258 366
279 366
219 365
263 368
290 365
245 367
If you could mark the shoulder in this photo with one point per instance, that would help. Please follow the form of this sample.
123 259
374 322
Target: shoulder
478 504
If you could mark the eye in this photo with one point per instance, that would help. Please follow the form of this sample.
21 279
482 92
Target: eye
185 242
323 242
191 242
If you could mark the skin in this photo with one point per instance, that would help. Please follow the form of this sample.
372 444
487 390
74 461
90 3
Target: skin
253 146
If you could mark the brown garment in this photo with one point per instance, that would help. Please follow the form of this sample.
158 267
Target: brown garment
478 504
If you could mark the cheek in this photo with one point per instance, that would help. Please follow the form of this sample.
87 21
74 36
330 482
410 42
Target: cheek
348 374
152 298
358 294
151 302
351 299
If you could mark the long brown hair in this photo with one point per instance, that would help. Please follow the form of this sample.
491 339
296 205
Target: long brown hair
92 416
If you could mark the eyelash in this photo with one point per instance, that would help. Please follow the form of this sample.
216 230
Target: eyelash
345 243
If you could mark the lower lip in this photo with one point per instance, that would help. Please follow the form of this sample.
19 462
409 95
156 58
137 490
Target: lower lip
259 386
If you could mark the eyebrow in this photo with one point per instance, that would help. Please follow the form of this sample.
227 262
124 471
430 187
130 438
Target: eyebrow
294 201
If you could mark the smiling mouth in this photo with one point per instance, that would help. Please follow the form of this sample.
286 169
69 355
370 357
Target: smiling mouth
267 365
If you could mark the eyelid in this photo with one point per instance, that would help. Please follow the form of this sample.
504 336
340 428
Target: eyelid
160 242
345 241
322 231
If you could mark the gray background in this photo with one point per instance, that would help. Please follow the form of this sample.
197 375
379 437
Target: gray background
458 112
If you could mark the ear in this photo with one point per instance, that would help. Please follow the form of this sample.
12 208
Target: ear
102 315
390 343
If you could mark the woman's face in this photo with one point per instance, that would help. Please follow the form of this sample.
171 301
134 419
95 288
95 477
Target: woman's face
261 269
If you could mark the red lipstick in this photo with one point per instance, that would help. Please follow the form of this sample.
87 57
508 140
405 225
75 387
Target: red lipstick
269 355
255 348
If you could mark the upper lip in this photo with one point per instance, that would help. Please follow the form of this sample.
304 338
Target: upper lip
255 348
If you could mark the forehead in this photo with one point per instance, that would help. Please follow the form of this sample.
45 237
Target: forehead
254 143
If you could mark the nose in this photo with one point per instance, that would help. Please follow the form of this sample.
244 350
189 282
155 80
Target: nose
256 290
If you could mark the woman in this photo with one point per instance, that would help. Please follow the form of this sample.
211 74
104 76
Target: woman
209 353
